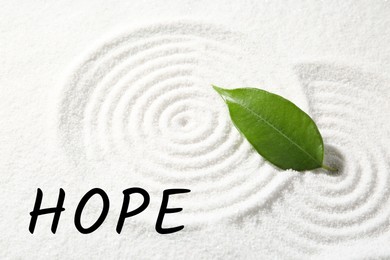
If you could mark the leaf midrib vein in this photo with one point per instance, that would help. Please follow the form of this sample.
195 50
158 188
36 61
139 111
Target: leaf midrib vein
277 130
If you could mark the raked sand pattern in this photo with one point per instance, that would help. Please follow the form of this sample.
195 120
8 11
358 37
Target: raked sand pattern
114 95
142 102
355 203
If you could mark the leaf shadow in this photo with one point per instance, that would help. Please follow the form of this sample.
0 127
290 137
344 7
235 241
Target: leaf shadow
333 158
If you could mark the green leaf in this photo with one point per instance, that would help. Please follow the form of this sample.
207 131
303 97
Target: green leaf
278 130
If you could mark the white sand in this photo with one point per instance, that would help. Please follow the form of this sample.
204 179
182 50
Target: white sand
116 96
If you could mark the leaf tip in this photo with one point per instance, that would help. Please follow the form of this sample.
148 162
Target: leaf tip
216 88
225 93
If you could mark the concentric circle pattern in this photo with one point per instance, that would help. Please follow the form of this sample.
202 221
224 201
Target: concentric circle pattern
355 203
142 103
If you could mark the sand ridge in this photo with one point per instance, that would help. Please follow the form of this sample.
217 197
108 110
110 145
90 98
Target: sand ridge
143 101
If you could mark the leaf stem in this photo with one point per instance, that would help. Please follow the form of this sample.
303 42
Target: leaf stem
328 168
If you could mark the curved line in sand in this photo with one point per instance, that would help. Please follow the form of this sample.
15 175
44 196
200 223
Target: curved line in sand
354 204
141 102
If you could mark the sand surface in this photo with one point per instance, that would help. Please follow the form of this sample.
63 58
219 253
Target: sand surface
119 95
